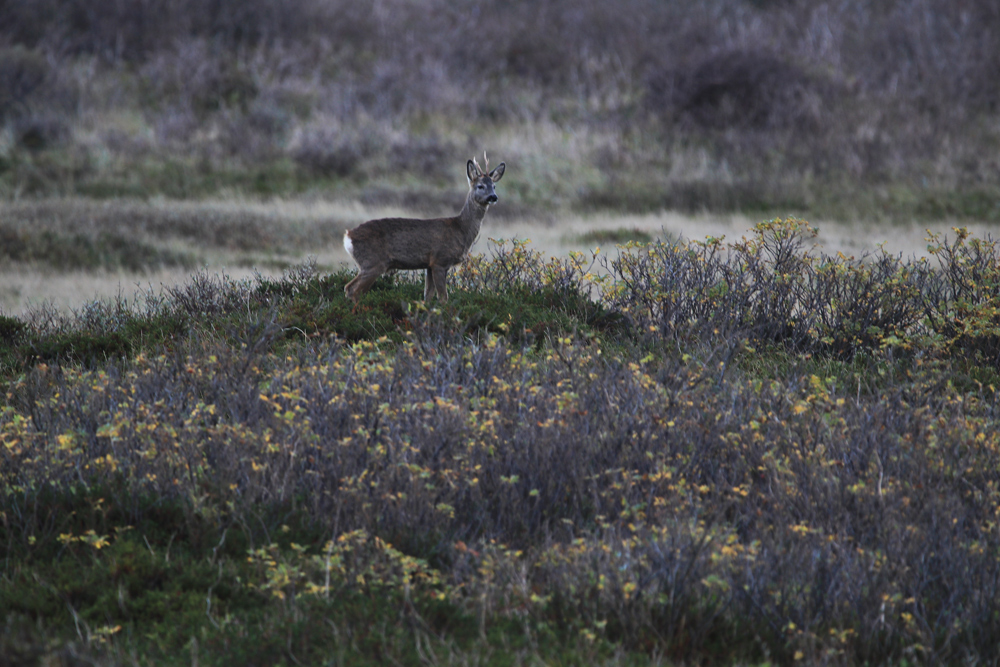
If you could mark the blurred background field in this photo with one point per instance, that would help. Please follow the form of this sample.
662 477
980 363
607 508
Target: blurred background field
142 139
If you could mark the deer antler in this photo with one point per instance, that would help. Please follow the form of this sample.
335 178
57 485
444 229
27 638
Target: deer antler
486 160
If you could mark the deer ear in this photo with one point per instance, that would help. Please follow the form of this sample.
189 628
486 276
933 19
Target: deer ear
472 171
497 173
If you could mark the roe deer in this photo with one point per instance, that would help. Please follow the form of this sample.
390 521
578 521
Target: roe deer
436 245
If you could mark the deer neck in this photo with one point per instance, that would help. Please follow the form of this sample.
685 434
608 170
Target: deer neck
471 219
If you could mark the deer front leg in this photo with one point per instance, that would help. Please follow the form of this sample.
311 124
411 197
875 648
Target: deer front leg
429 284
440 277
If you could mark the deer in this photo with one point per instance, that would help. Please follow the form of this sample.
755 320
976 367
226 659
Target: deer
410 244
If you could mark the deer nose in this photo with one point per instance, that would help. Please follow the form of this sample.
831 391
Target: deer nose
492 199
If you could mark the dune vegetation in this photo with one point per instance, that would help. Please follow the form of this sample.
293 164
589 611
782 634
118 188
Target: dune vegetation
677 452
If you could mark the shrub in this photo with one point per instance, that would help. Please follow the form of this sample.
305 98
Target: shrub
742 89
552 447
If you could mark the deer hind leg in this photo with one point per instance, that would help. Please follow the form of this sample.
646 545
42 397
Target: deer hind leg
429 284
361 284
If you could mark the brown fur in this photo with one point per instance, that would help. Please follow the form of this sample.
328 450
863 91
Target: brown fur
435 245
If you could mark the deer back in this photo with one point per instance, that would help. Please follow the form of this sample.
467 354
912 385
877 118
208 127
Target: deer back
402 243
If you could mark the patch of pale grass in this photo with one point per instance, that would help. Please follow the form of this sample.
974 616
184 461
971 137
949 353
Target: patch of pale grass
558 236
27 289
908 240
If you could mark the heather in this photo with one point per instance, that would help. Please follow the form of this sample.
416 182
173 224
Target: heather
729 451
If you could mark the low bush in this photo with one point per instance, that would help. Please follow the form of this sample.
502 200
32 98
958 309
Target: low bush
744 451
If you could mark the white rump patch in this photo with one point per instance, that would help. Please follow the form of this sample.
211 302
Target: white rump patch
348 246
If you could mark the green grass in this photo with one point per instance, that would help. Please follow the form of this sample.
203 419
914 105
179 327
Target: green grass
391 309
314 308
20 348
173 588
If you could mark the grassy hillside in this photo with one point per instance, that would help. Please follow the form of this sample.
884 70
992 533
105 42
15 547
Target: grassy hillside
685 452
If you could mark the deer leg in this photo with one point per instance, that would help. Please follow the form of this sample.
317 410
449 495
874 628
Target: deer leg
441 282
361 284
429 284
